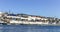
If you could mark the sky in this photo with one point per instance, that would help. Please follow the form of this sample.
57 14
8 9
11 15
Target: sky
50 8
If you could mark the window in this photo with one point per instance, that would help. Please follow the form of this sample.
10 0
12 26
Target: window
32 20
37 20
22 19
25 16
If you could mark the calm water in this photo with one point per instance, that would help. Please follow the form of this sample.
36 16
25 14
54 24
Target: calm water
28 28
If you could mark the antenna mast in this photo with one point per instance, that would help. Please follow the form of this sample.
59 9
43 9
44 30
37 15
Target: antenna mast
9 12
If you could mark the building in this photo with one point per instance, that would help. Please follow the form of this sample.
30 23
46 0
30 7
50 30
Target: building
27 19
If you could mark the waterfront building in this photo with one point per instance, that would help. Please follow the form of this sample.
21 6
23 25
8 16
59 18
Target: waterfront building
27 19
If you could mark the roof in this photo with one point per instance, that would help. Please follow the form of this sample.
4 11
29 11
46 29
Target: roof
11 15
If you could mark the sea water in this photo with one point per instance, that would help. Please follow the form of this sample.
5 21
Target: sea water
28 28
